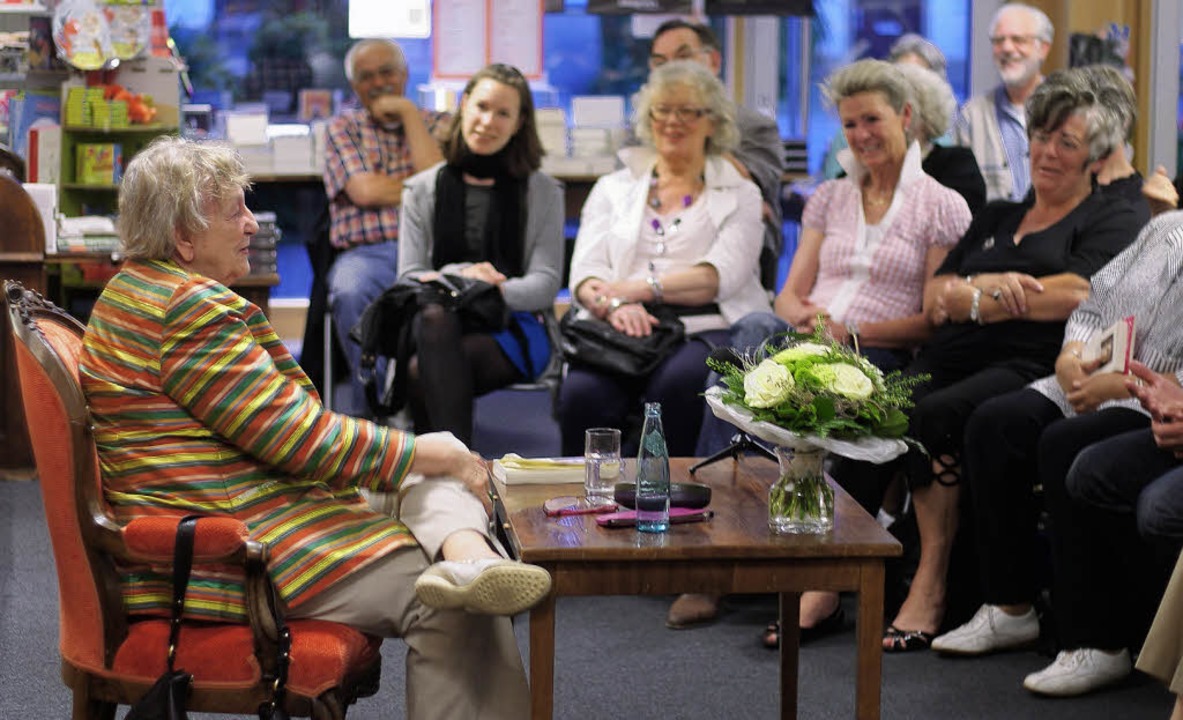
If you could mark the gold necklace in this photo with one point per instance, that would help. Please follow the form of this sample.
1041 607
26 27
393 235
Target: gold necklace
881 200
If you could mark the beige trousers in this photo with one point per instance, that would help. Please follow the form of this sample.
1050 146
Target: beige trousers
459 666
1162 654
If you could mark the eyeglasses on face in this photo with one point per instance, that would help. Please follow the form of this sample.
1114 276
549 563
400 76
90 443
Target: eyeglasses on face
683 53
385 72
662 113
1016 40
1064 142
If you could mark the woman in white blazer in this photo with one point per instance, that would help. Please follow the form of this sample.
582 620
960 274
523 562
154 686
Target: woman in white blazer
679 227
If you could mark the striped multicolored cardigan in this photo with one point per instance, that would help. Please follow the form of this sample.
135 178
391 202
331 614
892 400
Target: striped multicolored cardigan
199 408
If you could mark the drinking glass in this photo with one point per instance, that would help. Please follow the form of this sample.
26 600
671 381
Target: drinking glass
601 462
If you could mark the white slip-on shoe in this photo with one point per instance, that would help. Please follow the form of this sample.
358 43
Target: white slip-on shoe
990 630
1076 672
493 586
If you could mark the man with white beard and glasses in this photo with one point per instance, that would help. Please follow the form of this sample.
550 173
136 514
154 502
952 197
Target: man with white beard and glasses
993 125
370 151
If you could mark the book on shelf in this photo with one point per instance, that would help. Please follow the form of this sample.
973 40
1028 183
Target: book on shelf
1112 347
45 153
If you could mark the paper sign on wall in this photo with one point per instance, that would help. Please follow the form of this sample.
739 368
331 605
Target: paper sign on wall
470 34
386 19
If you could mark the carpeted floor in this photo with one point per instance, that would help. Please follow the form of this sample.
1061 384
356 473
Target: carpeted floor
615 658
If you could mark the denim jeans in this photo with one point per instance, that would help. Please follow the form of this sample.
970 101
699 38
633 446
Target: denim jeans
359 276
746 335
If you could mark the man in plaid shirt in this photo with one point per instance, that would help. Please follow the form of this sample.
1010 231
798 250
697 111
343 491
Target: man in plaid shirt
370 151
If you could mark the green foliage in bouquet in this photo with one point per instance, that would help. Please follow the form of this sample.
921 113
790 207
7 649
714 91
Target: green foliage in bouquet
811 385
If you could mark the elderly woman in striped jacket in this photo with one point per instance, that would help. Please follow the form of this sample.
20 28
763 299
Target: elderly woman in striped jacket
199 408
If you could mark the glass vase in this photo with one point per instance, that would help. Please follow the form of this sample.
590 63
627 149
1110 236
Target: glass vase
801 501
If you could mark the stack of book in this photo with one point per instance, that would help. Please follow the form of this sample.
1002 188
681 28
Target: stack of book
80 104
87 234
552 130
263 253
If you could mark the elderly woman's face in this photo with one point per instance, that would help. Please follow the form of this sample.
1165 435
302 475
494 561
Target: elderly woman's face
875 132
680 122
1060 158
220 252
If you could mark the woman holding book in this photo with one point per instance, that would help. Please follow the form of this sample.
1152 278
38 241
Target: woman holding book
1033 436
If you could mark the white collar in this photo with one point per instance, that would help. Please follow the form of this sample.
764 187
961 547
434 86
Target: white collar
908 173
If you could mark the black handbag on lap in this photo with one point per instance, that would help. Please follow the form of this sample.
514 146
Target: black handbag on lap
593 343
385 328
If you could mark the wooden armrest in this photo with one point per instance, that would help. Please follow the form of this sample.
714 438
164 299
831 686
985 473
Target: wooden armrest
218 539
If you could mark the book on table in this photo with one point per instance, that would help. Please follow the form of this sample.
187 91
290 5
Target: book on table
513 469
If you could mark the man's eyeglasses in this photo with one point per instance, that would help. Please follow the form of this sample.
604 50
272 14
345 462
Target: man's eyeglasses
686 53
662 113
384 72
1016 40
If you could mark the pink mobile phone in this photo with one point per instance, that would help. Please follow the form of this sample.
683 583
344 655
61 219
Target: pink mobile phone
572 505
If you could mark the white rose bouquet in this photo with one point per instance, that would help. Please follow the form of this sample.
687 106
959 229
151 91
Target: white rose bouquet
812 394
811 386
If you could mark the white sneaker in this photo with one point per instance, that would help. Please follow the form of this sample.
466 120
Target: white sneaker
990 630
1076 672
493 586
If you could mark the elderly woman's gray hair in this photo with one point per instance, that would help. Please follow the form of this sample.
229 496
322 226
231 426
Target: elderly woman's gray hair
869 76
1065 93
913 44
166 189
400 59
711 95
1116 93
933 103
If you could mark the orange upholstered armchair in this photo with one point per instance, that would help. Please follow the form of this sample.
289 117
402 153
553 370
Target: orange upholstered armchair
109 658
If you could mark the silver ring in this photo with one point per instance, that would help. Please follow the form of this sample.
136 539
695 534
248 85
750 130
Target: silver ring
997 294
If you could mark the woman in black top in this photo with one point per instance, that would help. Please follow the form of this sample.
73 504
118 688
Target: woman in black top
999 302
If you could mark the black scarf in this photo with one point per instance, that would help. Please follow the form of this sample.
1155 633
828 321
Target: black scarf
504 225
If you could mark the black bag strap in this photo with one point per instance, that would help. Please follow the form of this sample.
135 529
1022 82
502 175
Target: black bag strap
273 709
182 566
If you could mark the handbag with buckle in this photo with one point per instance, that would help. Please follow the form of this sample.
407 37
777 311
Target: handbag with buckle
593 343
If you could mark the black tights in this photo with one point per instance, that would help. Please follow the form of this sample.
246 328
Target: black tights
449 370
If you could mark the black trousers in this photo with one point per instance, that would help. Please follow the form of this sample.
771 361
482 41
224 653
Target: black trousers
1012 443
1108 578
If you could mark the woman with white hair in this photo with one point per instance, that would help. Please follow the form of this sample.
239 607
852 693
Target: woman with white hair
679 228
197 407
933 106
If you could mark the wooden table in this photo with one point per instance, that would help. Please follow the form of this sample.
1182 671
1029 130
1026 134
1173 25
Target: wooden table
734 552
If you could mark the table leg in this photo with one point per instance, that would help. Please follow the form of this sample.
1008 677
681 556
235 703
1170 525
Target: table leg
870 641
542 659
790 645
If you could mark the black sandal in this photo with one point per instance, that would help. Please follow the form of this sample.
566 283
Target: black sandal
898 641
828 625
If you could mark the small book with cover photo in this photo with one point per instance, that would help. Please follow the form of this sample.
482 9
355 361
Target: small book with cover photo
1113 347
